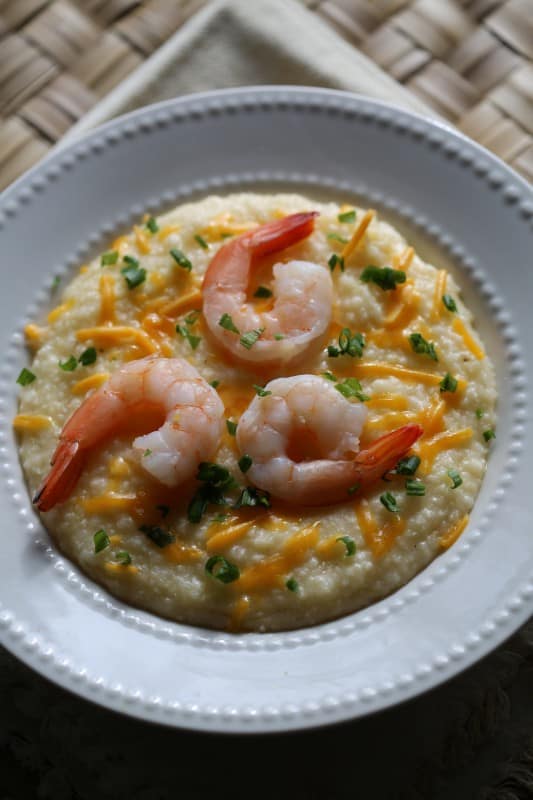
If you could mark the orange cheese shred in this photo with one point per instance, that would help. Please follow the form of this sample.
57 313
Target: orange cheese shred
358 234
31 423
118 334
238 613
58 311
451 535
91 382
460 328
121 244
428 450
107 298
120 569
379 539
405 259
141 240
180 553
187 302
108 503
379 369
440 289
396 402
226 536
34 334
166 230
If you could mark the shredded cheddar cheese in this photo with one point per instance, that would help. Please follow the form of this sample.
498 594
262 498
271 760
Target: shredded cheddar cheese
166 230
91 382
405 259
451 536
107 298
141 240
118 334
227 536
358 234
187 302
268 573
121 244
396 402
460 328
239 611
180 553
428 450
120 569
379 539
31 423
440 289
378 369
34 334
331 548
108 503
58 311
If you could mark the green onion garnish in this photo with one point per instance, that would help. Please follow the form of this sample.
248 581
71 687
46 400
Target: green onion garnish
25 377
70 364
55 283
194 341
390 502
227 323
262 291
159 536
480 413
329 376
123 558
222 569
109 258
152 225
292 585
250 338
489 434
448 383
192 317
253 497
350 387
231 427
101 541
449 302
245 462
415 488
201 241
423 347
407 465
348 543
133 273
350 344
181 259
455 478
260 391
147 452
336 260
347 216
278 337
88 356
214 384
384 277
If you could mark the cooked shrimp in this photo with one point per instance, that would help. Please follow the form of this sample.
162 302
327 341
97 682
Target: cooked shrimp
171 387
302 295
303 440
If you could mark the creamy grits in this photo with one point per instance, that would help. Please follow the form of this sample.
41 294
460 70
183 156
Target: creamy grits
273 565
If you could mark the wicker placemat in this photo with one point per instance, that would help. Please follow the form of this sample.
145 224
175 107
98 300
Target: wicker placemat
471 60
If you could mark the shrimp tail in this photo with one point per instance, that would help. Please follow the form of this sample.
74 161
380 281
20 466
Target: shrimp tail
282 233
67 464
383 454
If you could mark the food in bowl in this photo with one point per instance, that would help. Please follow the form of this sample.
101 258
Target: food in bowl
263 412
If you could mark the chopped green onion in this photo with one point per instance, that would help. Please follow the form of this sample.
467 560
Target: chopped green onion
262 291
449 302
227 323
109 258
335 237
164 510
348 543
181 259
158 535
407 465
222 569
448 383
329 376
455 478
423 347
390 502
347 216
25 377
480 413
292 585
133 273
336 260
250 338
55 283
194 341
260 391
278 337
350 387
101 541
88 356
245 462
231 426
214 384
253 497
152 225
123 558
192 317
201 241
415 488
220 517
353 489
350 344
70 364
213 473
216 480
489 434
384 277
147 452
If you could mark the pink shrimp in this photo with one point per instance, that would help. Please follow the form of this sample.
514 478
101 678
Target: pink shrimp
302 295
303 440
169 387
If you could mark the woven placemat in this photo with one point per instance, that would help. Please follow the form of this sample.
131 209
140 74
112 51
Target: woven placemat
470 60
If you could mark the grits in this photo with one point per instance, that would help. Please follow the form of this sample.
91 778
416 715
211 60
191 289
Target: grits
295 569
